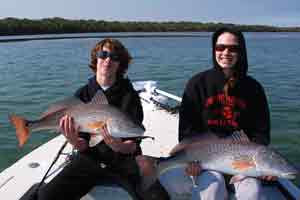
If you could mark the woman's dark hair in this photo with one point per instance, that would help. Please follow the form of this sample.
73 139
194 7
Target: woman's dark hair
118 48
241 67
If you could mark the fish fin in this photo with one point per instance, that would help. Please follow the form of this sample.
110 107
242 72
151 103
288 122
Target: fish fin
148 170
95 139
202 138
99 98
62 104
178 148
22 130
96 125
146 137
54 112
237 178
239 137
243 165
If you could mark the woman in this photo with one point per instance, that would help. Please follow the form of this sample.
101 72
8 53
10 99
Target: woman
223 100
112 156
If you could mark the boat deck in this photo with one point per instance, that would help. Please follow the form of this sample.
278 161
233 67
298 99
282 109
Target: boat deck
17 179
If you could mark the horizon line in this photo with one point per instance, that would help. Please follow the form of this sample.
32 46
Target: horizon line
150 21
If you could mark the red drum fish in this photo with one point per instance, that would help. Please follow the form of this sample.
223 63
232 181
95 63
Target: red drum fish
90 117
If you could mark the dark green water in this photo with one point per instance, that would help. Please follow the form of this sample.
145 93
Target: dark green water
36 73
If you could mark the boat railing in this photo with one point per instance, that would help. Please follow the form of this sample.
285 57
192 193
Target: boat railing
155 97
171 96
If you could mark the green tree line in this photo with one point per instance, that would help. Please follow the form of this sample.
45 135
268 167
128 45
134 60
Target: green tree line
15 26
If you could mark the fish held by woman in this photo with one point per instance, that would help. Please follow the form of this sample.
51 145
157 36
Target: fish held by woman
238 157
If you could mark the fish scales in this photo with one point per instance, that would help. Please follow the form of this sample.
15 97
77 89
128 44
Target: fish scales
90 117
248 159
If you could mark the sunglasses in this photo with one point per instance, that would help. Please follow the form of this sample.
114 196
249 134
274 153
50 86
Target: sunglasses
231 48
104 54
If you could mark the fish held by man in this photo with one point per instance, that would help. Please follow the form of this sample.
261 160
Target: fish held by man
228 156
91 118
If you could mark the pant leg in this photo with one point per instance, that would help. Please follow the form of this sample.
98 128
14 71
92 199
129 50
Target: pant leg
74 181
155 192
210 185
176 183
128 169
249 189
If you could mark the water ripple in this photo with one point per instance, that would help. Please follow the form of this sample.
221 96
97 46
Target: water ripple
36 73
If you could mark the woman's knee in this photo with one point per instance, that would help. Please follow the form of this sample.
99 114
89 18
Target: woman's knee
249 188
211 177
211 185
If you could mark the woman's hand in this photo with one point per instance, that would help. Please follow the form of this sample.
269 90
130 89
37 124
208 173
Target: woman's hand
70 131
193 169
116 144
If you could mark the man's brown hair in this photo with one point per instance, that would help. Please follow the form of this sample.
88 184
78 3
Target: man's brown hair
117 47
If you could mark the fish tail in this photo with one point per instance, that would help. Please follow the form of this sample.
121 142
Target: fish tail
22 129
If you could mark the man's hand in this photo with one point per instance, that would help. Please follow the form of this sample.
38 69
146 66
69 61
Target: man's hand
113 143
70 131
116 144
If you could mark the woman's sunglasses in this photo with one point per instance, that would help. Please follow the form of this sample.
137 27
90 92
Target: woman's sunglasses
231 48
104 54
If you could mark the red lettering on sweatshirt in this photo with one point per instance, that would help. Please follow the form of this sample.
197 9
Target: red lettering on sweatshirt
226 110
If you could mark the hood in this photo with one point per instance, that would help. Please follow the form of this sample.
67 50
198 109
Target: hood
242 64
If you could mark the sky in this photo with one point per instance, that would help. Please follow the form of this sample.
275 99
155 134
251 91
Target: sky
255 12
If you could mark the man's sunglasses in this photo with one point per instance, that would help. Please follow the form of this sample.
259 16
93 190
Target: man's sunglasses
104 54
231 48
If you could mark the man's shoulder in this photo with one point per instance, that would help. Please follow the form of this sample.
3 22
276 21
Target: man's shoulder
86 91
126 86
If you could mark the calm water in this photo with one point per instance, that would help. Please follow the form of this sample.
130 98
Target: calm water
36 73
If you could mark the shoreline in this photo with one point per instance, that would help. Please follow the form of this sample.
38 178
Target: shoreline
12 26
24 38
161 35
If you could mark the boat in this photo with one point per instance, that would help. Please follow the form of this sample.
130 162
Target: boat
161 122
